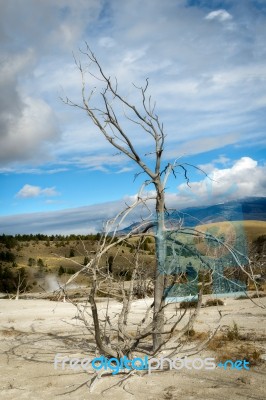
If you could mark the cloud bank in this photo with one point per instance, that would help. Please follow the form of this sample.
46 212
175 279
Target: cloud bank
206 63
245 178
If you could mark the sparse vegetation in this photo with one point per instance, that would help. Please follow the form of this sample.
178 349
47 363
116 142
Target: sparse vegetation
229 346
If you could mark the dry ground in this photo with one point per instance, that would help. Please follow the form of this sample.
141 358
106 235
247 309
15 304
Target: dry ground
33 331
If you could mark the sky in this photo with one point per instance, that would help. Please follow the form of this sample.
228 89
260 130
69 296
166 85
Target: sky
206 65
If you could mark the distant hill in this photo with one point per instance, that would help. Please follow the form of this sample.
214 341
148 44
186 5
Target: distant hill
250 208
247 209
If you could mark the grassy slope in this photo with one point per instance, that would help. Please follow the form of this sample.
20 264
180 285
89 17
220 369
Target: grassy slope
53 256
253 229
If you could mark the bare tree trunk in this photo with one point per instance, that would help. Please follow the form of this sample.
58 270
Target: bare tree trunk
19 285
158 316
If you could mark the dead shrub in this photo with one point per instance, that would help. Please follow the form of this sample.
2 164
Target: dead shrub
229 346
196 336
242 297
214 302
233 333
258 295
246 352
188 304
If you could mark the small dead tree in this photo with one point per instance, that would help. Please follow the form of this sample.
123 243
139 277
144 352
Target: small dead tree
20 284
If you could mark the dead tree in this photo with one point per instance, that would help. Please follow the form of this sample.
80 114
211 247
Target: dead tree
107 108
105 115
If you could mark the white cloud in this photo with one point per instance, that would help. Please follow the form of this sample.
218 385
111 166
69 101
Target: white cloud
125 169
28 133
245 178
29 191
220 15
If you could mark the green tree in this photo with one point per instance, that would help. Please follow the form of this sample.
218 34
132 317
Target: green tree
31 262
71 253
40 263
86 260
61 270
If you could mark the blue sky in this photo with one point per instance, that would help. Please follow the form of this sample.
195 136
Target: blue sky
206 64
